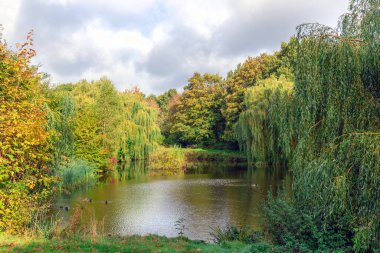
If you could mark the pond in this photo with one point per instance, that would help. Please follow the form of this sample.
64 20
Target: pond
206 196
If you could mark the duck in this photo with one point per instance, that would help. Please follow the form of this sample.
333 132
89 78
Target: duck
66 208
254 185
87 200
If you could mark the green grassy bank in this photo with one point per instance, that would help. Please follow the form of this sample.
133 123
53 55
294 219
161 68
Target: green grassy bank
214 155
175 160
151 243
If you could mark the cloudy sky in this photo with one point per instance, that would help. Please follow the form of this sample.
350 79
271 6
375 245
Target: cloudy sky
156 44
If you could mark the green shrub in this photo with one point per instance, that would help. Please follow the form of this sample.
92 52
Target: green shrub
342 187
262 247
167 161
293 226
335 202
19 206
233 233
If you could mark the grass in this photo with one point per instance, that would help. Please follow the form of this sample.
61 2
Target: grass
76 174
75 236
150 243
78 237
214 155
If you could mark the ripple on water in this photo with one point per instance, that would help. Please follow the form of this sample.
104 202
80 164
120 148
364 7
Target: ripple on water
153 205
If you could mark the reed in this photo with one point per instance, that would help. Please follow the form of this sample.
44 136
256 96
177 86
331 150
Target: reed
76 174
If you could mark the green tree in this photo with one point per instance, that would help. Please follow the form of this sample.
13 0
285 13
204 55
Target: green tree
245 75
286 59
108 109
248 74
254 130
197 113
141 132
62 120
163 100
334 136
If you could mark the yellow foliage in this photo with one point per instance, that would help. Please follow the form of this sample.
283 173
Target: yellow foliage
24 140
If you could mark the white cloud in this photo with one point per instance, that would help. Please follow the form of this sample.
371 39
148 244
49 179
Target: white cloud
8 15
201 16
105 47
160 33
109 41
123 6
157 44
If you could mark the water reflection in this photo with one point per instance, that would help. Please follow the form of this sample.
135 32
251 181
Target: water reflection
207 195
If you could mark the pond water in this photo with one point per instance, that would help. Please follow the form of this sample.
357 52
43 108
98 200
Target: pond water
207 196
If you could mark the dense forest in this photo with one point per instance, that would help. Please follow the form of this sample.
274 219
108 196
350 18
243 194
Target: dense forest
312 106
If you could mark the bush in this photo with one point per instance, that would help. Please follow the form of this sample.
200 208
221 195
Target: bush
233 233
342 187
18 206
167 161
262 247
25 179
295 228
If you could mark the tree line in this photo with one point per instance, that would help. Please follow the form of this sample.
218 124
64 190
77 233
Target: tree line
205 113
60 138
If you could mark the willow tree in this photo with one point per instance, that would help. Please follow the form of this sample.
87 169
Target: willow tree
248 74
337 90
335 137
141 130
256 130
62 120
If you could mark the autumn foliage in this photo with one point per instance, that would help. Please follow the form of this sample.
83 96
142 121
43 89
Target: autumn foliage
24 138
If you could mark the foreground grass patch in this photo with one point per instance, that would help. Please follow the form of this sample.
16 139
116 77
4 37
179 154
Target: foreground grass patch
151 243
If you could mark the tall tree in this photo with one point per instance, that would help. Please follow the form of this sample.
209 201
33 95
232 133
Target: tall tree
62 120
255 130
163 100
108 110
25 181
197 114
246 75
334 136
141 132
